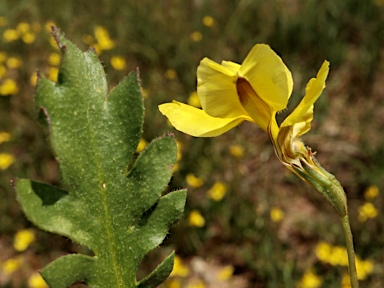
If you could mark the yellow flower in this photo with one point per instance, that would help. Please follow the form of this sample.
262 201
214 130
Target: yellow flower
217 191
36 281
54 59
179 269
118 63
48 25
364 268
28 38
173 283
9 87
366 211
338 256
11 265
4 137
236 150
194 181
193 100
14 63
6 160
256 91
22 28
196 219
196 36
10 35
208 21
142 144
323 251
371 192
310 280
103 39
226 273
53 73
276 214
23 239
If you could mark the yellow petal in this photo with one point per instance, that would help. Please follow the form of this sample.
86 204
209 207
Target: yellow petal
304 111
196 122
216 87
233 67
268 76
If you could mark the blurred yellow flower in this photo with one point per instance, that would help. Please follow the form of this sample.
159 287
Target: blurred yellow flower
226 273
3 71
23 239
142 144
217 191
28 38
310 280
170 74
372 191
48 25
196 219
196 36
179 150
22 27
345 281
33 79
323 251
36 281
53 73
103 39
10 35
9 87
193 100
179 269
53 43
194 181
54 59
4 137
276 214
118 63
173 283
208 21
14 62
364 268
11 265
236 150
338 256
6 160
366 211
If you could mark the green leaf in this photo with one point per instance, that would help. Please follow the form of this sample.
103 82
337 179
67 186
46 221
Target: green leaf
119 214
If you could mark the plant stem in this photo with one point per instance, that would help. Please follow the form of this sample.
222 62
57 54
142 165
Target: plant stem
350 251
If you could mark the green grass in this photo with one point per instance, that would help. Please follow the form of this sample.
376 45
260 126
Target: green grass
156 36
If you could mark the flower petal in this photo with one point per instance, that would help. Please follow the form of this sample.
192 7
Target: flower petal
304 111
196 122
268 76
216 87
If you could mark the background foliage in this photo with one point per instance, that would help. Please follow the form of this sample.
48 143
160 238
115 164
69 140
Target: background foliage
259 226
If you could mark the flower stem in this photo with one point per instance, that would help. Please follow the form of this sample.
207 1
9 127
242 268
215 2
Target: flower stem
350 251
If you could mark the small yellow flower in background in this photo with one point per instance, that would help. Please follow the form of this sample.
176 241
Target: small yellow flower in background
372 191
54 59
23 27
170 74
364 268
345 281
366 211
323 251
53 43
23 239
33 79
208 21
3 21
103 39
11 265
193 100
276 214
310 280
179 269
10 35
48 25
196 36
118 63
36 281
173 283
236 150
9 87
6 160
226 273
194 181
53 73
142 144
14 62
28 38
217 191
4 137
338 256
196 219
3 71
179 150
